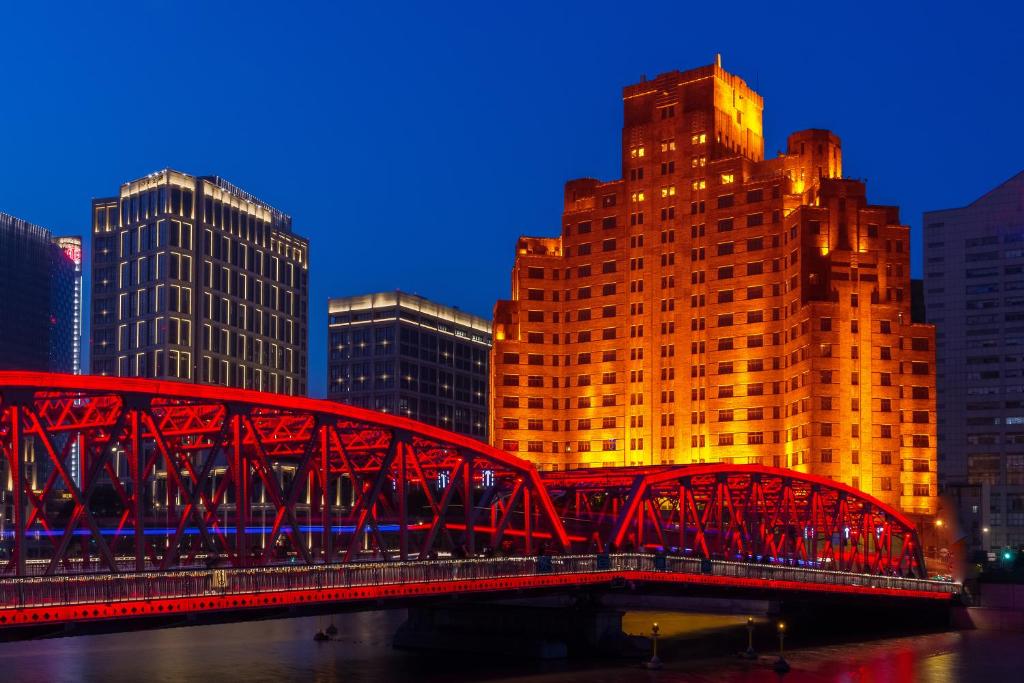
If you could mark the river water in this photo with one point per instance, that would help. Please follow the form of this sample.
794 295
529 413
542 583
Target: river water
283 650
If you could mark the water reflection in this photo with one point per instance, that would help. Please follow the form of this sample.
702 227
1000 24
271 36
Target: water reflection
283 650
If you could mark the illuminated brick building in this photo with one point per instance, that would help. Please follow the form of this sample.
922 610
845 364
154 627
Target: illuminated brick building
714 306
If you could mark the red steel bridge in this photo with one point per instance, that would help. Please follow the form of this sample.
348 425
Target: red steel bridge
131 497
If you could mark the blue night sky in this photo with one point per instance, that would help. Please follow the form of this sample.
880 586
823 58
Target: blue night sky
412 144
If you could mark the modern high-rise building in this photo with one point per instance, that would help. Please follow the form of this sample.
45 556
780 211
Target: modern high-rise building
195 279
403 354
974 289
716 306
40 322
69 336
40 298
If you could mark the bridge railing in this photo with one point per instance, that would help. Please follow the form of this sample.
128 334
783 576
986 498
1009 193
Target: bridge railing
112 588
773 572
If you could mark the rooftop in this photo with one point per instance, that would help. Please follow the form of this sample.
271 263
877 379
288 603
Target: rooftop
412 302
175 177
8 220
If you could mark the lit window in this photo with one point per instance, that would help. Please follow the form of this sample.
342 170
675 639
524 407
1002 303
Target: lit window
636 152
637 196
699 138
669 191
728 178
699 184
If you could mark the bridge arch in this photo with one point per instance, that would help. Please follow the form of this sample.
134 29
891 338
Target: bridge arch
113 474
740 512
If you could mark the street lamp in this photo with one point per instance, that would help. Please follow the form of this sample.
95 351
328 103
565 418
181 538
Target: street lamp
654 663
781 665
750 654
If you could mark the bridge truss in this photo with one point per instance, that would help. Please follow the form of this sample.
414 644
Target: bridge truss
121 475
739 513
113 475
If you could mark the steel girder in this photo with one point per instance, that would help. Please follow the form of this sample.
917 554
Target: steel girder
739 512
173 475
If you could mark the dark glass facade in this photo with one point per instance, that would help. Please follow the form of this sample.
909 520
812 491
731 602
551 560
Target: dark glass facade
38 300
40 317
974 288
195 279
403 354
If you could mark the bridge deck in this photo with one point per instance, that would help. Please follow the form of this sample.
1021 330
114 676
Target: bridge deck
54 600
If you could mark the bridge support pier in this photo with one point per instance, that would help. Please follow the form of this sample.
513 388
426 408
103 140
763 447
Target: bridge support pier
527 630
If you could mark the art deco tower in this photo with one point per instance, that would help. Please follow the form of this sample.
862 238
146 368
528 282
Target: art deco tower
715 306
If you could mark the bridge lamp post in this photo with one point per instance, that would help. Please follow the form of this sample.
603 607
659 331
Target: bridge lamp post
654 662
750 654
781 665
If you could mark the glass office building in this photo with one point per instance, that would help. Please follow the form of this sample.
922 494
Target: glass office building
40 323
40 298
403 354
974 288
195 279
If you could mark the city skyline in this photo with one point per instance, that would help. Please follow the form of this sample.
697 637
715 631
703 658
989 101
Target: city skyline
480 341
458 165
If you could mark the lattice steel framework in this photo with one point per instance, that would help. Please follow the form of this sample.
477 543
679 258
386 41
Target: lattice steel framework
175 475
179 475
744 512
